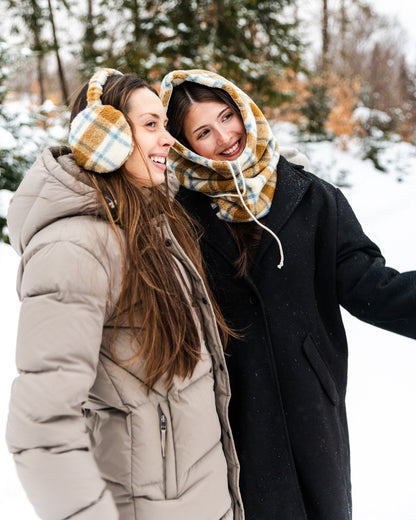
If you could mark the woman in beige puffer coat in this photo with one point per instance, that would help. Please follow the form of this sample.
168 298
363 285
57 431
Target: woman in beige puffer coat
102 424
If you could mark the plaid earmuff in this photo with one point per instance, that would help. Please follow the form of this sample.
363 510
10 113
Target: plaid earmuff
100 136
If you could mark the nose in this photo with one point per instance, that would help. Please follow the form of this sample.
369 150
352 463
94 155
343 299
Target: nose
166 139
221 136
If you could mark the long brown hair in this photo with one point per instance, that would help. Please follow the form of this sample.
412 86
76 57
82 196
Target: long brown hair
168 341
181 99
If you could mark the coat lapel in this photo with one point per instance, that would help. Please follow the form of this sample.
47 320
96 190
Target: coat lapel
215 230
290 189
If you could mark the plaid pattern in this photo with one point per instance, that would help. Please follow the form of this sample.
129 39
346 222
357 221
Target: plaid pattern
257 162
100 137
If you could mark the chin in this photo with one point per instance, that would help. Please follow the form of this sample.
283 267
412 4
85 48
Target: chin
157 180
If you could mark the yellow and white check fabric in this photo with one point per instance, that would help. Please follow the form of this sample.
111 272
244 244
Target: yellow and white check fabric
257 163
100 137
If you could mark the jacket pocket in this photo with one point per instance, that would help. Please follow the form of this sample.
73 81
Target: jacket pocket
163 426
321 369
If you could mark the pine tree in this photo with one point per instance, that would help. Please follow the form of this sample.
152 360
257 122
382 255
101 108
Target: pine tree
32 14
93 21
317 107
10 173
248 41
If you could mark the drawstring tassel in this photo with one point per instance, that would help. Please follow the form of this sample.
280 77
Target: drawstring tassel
240 195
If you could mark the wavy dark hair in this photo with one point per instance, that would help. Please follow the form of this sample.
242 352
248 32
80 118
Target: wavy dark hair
181 99
168 340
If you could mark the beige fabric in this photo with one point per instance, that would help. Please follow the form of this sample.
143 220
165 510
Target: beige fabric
85 435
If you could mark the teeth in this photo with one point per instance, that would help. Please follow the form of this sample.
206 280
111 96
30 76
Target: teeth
231 150
161 160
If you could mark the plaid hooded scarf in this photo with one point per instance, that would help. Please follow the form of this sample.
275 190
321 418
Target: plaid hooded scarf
241 190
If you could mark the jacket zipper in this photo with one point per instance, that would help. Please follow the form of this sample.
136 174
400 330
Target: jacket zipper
163 431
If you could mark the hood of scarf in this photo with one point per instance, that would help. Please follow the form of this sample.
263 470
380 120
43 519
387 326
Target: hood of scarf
235 186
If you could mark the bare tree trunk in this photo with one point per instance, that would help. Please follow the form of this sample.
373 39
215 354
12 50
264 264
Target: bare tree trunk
219 27
39 66
344 23
88 52
136 21
64 89
325 36
34 24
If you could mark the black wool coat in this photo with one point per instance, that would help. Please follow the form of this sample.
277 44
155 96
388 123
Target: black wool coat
288 371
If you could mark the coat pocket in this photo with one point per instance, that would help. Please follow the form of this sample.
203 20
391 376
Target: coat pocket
321 369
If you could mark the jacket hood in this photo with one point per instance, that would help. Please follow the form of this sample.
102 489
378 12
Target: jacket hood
53 188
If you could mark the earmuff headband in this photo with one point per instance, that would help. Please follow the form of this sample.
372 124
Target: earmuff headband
96 84
100 136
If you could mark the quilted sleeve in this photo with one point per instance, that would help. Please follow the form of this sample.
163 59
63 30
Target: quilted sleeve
64 291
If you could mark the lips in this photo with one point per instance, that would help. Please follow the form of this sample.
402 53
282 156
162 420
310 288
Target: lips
232 150
159 161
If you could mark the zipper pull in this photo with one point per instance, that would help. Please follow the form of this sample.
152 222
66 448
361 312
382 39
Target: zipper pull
163 429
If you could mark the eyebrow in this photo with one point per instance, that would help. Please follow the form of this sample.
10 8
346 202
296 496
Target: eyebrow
219 115
157 116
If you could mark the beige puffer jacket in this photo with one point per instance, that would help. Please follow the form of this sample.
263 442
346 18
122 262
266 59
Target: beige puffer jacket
89 443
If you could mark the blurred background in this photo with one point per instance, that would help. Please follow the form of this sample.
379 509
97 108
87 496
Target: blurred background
336 69
337 80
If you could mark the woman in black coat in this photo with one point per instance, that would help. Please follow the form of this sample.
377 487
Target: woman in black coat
283 251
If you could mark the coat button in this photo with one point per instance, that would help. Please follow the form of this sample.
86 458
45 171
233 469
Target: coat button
168 242
221 366
204 300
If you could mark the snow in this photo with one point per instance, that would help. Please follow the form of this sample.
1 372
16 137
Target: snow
5 197
382 386
364 114
6 139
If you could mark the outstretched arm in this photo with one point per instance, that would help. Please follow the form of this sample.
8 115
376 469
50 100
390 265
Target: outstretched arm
367 288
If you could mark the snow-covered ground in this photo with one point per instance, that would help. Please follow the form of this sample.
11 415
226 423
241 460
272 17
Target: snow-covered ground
382 386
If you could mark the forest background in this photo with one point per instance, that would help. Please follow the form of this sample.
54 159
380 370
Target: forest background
335 69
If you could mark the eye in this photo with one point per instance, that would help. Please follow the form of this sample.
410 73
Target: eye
228 116
151 124
203 133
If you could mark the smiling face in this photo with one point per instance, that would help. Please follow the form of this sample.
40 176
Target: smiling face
148 119
215 131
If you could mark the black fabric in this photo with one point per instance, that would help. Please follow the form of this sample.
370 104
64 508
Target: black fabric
289 372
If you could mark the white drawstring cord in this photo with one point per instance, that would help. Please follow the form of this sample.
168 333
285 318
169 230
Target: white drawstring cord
280 265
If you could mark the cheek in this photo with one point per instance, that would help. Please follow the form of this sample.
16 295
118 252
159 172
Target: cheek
133 159
135 163
240 127
205 148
